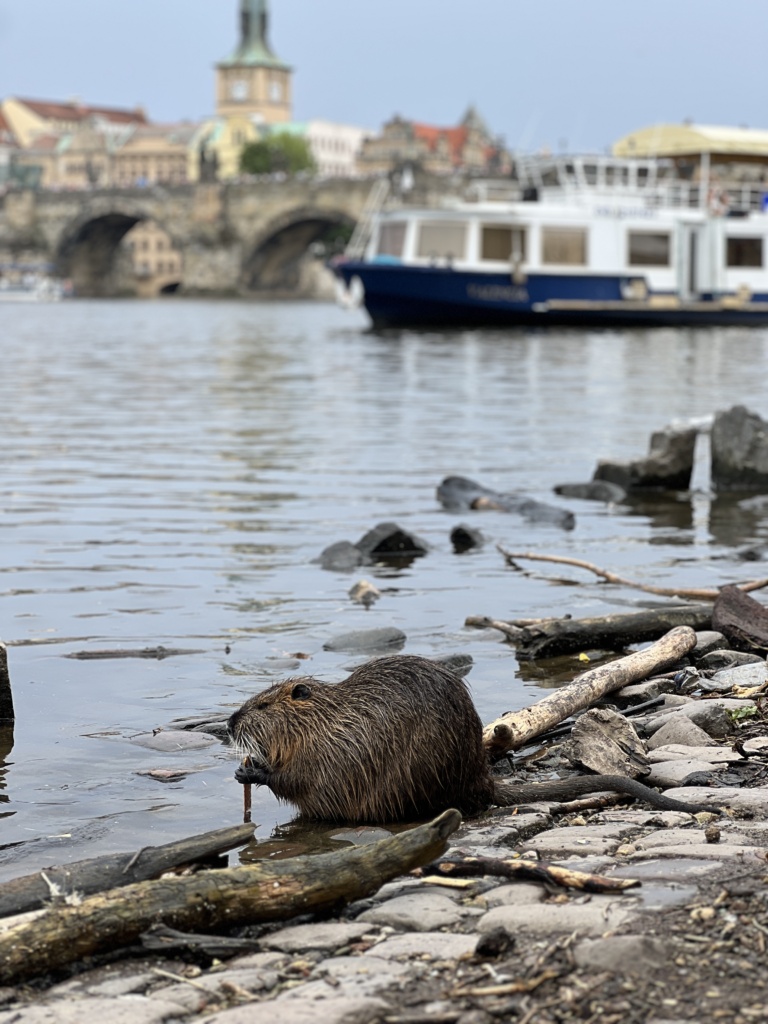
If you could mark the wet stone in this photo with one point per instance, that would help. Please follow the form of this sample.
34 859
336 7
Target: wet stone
510 895
678 752
353 976
583 841
174 740
720 659
386 639
423 912
640 955
683 837
680 731
342 556
674 773
754 674
681 870
707 641
331 1010
424 945
755 799
325 935
593 917
704 851
129 1009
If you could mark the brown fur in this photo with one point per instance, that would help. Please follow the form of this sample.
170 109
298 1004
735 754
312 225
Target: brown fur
399 739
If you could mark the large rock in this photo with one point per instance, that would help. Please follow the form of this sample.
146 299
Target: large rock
667 467
739 451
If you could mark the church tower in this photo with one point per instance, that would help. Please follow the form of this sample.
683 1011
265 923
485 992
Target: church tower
253 81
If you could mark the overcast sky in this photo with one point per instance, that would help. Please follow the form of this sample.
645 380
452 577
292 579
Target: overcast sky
558 73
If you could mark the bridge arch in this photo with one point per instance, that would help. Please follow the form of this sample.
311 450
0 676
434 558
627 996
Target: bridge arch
275 260
89 252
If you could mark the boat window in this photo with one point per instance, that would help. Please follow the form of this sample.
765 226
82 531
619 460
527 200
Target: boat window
590 173
564 245
744 252
648 248
441 239
391 238
502 243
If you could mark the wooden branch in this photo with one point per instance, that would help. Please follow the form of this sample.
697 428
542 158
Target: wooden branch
516 728
612 632
30 892
689 593
265 891
6 695
528 870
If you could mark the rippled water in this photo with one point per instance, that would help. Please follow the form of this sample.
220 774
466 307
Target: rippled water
171 470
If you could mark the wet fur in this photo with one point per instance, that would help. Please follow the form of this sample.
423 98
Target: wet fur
398 740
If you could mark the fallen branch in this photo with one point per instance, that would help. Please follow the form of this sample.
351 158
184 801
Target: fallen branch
85 877
528 870
516 728
265 891
690 593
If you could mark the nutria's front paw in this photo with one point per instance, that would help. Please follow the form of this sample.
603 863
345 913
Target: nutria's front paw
249 773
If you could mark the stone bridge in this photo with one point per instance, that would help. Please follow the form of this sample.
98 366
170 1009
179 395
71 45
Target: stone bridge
233 238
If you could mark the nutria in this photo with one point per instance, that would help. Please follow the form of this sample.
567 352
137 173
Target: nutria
399 739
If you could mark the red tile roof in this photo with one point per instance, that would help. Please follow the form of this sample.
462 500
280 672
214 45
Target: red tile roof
455 137
55 111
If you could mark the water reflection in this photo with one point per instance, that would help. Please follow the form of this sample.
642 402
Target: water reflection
171 471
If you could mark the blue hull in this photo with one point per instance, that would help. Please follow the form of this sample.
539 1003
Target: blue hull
400 296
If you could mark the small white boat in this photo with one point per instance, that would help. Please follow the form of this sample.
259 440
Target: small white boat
32 287
574 241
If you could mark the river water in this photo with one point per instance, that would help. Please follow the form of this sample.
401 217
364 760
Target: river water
171 470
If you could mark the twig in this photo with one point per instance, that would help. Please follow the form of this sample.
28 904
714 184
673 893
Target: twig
693 593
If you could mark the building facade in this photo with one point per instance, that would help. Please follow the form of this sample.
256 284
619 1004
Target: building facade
469 147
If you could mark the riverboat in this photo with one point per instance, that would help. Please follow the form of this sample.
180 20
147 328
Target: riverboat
574 241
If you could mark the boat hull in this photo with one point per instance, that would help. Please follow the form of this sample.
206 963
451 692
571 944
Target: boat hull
405 296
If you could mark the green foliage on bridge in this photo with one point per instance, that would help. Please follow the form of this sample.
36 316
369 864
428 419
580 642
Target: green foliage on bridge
282 152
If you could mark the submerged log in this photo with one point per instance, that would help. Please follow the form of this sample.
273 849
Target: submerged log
30 892
612 632
511 731
208 900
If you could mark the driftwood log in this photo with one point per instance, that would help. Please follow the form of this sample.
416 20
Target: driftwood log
742 619
611 632
30 892
267 891
688 593
516 728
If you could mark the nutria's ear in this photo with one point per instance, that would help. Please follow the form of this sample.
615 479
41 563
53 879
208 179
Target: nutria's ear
301 691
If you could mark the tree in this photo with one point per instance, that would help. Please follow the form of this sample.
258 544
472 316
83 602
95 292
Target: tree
280 152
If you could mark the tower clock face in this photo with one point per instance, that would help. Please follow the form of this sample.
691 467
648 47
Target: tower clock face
238 89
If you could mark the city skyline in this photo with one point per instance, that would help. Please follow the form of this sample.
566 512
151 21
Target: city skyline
560 74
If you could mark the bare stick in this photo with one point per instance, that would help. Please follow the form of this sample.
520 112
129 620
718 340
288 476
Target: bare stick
691 593
516 728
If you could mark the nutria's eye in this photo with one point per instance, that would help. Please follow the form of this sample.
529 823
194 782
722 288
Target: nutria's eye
301 691
262 705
